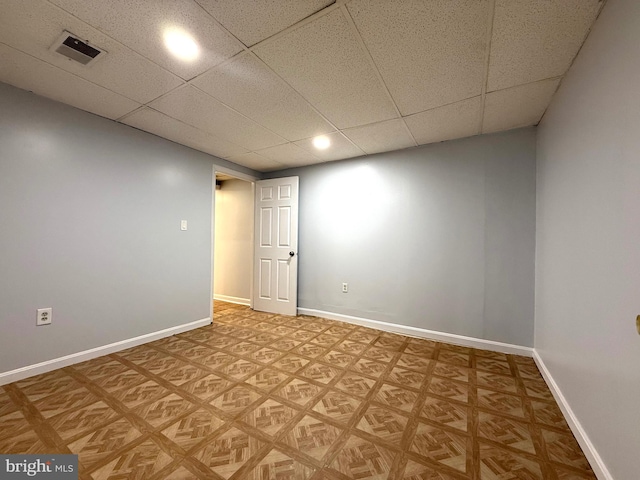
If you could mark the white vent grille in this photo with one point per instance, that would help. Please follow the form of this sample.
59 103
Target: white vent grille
76 49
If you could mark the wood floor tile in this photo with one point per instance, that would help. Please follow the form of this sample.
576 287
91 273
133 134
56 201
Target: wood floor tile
355 384
193 428
397 397
207 387
380 354
270 416
384 423
259 396
320 372
142 461
25 442
501 402
499 464
446 413
290 363
226 453
452 372
235 400
298 391
506 431
312 437
414 362
76 422
418 471
267 379
100 443
406 378
368 367
337 358
13 423
497 382
64 401
563 448
164 410
450 389
145 392
265 355
361 459
277 465
549 414
442 446
337 406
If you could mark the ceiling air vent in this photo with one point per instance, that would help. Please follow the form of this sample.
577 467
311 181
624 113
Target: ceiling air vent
75 49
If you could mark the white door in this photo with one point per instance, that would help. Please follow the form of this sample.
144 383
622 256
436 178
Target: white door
276 246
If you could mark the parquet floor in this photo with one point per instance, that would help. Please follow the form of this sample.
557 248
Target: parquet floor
266 397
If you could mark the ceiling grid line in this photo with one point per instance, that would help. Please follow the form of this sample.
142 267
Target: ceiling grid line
376 70
489 35
115 40
586 35
273 74
299 24
71 73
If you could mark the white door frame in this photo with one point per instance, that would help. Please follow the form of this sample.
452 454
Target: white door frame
242 176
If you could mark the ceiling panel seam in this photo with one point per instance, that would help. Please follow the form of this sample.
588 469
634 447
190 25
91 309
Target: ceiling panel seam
367 53
71 73
584 39
485 81
116 41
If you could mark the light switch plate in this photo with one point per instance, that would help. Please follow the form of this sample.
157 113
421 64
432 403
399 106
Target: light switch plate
183 225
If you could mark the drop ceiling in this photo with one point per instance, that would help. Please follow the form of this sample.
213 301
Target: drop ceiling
371 75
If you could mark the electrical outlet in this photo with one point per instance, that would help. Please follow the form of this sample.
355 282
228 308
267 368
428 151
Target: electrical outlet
345 288
44 316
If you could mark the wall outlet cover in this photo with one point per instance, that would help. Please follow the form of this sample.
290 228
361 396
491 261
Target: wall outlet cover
44 316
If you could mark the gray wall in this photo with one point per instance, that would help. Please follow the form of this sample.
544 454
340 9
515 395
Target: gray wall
588 259
233 243
439 237
90 225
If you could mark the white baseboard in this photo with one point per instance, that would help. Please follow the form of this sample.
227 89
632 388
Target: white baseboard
47 366
598 466
227 298
423 333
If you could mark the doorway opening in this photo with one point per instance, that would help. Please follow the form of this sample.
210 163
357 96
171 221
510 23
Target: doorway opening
233 225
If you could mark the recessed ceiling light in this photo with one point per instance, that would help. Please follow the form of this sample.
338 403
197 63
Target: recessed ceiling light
181 44
321 142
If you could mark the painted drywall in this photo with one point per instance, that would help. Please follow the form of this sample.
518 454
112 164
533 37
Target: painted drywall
233 240
588 217
90 226
440 237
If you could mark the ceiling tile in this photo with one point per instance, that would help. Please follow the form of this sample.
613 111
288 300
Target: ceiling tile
33 26
196 108
518 106
248 86
381 137
323 61
340 148
446 123
29 73
537 39
267 17
160 124
289 154
256 162
140 24
429 53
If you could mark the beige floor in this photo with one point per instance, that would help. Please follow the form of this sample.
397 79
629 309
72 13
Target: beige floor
259 396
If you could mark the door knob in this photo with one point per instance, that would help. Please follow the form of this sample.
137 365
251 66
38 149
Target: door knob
291 254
